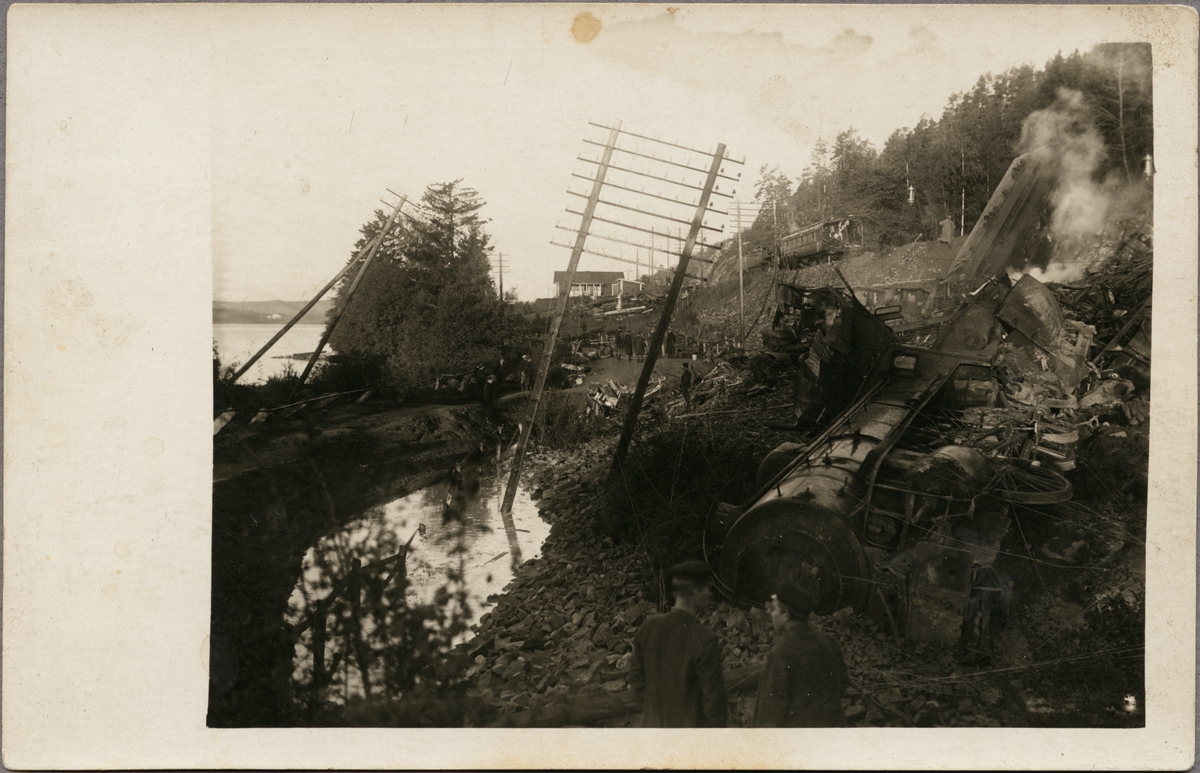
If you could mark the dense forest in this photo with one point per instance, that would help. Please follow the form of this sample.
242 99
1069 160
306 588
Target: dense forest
1100 101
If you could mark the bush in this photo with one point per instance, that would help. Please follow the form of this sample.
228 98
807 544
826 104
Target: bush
398 667
564 422
346 372
670 481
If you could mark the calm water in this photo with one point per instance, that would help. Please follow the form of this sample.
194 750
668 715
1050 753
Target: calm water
238 343
479 542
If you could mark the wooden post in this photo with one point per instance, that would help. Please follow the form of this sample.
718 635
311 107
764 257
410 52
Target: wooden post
741 285
303 311
660 332
514 476
337 315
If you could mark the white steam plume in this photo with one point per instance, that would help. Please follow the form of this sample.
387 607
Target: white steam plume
1085 207
1081 204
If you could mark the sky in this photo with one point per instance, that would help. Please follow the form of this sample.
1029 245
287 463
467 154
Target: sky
318 110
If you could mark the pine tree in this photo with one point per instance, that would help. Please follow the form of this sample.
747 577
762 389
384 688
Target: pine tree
427 304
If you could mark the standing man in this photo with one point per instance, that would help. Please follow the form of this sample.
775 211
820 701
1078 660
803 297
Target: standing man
805 676
947 230
526 372
685 386
676 666
479 374
491 398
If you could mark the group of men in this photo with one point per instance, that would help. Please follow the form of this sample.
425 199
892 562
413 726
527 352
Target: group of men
676 663
631 345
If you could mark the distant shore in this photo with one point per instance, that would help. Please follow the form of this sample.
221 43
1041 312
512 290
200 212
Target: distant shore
268 312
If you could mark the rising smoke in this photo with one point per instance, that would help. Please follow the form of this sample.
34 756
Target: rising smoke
1088 205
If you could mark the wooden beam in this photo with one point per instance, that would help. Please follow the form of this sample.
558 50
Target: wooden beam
539 384
349 293
660 332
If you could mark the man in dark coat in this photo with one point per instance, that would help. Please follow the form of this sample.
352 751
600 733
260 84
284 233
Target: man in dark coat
805 676
685 386
676 666
491 397
527 374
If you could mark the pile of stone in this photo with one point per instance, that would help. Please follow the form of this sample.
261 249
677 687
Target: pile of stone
561 632
563 626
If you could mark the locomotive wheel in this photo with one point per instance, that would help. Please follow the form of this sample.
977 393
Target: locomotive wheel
786 541
1022 483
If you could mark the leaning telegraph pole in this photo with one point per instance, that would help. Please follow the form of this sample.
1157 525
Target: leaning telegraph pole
560 308
741 281
362 271
617 189
368 250
664 322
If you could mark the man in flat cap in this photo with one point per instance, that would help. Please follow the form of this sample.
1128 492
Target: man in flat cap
805 676
676 666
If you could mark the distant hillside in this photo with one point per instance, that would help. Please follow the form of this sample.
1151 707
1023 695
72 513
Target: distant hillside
264 312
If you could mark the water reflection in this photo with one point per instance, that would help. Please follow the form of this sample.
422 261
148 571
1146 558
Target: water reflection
414 573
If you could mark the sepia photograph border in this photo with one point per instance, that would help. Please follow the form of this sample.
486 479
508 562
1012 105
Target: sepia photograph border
108 448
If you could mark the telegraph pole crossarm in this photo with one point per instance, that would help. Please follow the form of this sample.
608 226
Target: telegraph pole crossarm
668 199
606 256
639 245
681 183
632 227
660 332
689 167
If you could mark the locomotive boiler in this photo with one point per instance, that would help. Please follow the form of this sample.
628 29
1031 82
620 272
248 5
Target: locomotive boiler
898 504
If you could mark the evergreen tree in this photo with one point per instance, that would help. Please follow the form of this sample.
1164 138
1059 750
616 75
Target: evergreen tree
427 304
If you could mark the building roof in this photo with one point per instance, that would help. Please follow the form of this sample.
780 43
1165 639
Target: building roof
590 277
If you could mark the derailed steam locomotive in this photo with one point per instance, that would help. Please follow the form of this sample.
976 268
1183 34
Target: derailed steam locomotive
901 501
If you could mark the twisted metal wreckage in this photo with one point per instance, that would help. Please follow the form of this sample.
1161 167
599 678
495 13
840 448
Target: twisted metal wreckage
899 505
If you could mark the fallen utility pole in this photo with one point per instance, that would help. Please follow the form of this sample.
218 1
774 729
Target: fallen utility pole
660 332
560 308
300 314
375 245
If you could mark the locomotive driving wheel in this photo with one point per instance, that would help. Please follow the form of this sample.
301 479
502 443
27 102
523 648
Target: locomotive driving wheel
784 542
1021 482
